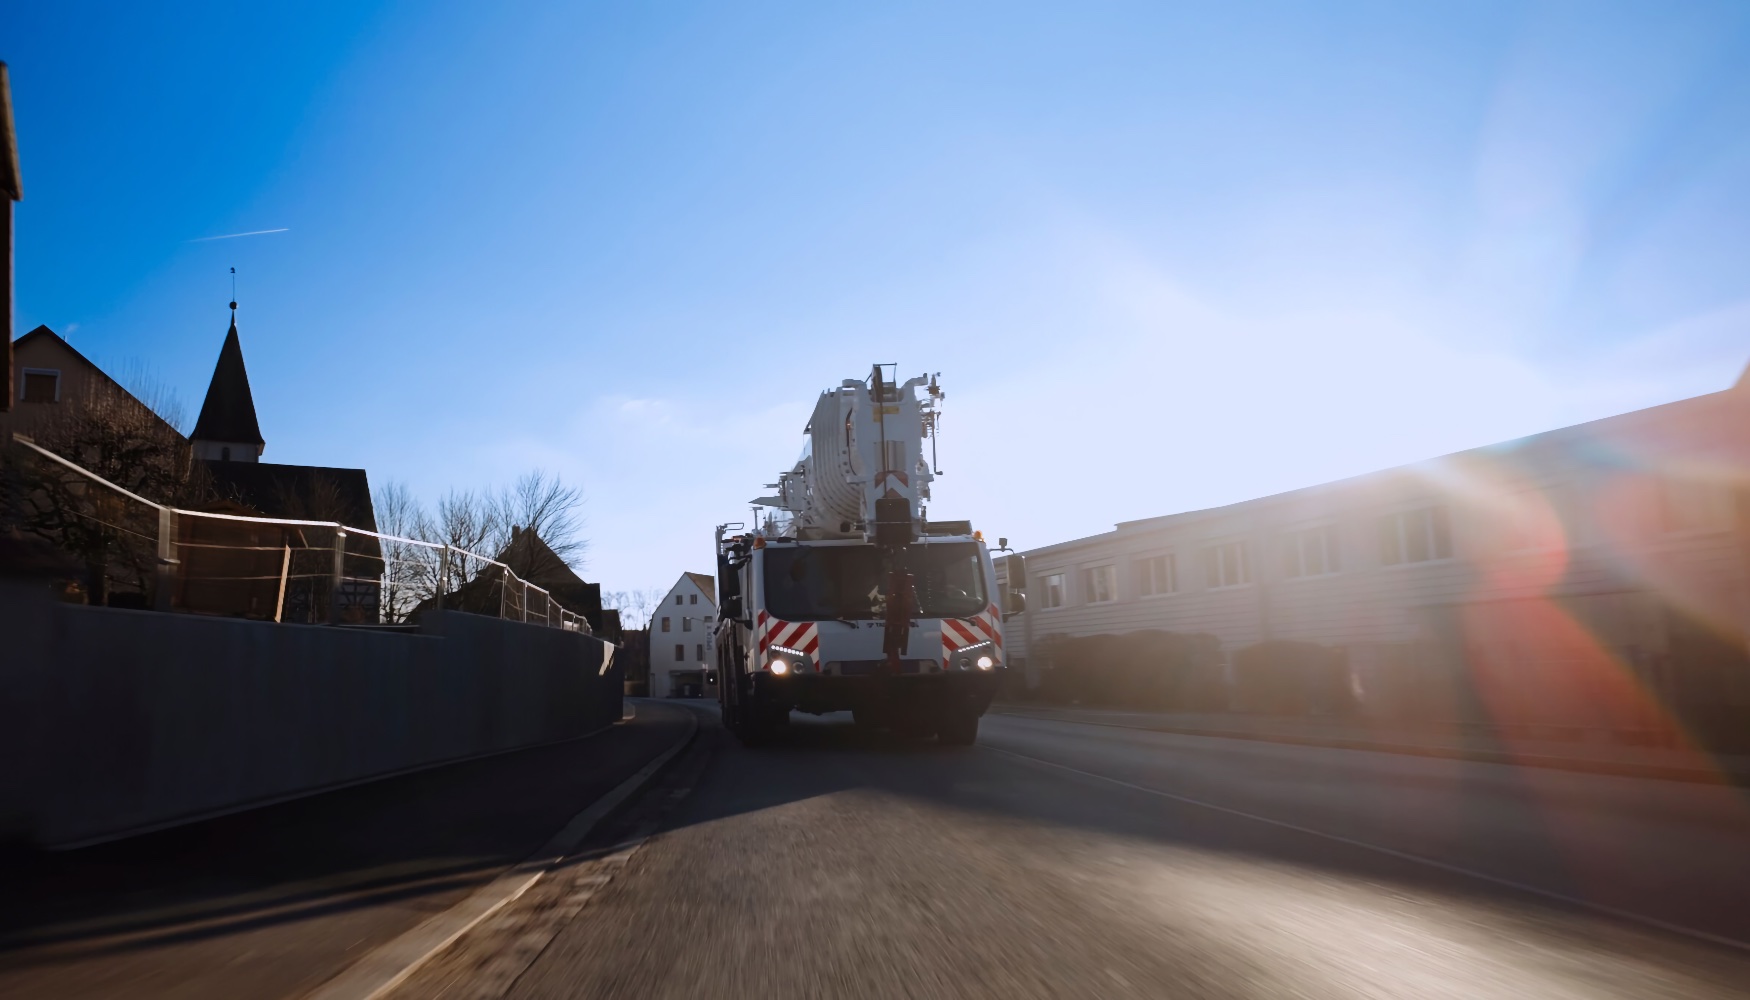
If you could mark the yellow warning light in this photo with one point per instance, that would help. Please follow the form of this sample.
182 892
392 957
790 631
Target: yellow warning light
759 542
978 536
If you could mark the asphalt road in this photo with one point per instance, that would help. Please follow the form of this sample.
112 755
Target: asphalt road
1062 860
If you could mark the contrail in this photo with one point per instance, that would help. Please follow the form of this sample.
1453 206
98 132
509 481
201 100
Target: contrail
232 236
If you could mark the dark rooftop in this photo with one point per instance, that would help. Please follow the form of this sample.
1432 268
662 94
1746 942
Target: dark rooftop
706 583
298 492
228 413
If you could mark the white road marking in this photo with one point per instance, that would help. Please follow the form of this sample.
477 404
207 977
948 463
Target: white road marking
389 965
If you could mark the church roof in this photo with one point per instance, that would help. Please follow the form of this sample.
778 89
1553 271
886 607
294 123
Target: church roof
304 492
300 492
228 413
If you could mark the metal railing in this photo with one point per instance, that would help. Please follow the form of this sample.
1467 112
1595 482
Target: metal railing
140 553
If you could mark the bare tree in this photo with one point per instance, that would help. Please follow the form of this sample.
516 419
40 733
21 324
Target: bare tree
473 524
407 567
541 503
467 522
635 606
116 437
159 396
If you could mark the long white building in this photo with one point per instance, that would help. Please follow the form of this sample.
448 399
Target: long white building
1611 553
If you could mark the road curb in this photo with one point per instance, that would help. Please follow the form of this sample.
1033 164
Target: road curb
1623 769
388 965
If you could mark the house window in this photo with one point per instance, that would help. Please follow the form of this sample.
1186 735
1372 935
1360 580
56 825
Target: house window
701 652
1157 575
692 598
686 624
1054 588
1414 536
1099 584
680 653
665 623
707 619
39 385
679 599
1226 566
1312 552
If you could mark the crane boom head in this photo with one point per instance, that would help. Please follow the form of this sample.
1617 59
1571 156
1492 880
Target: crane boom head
863 465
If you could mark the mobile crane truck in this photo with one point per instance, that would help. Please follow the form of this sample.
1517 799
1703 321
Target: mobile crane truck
843 595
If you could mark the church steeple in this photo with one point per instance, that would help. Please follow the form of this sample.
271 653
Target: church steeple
227 430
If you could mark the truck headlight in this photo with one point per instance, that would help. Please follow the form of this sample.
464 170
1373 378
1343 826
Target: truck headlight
785 660
979 654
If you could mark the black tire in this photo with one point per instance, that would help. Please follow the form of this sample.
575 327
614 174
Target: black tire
757 721
729 700
749 727
958 729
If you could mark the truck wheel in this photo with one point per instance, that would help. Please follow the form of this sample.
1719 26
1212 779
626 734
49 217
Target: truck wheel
958 729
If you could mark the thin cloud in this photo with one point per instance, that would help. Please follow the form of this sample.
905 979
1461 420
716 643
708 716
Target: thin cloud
232 236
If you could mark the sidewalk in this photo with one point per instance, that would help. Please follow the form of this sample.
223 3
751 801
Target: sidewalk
274 901
1665 763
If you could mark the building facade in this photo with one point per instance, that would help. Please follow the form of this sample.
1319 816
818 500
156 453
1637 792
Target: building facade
680 638
1595 576
234 572
52 379
223 567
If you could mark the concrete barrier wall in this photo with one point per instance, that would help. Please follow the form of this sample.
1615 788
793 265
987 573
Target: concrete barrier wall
117 721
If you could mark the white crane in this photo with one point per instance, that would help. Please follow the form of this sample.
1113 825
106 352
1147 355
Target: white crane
865 444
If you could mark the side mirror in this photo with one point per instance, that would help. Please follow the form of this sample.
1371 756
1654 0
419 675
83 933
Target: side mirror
731 606
1014 603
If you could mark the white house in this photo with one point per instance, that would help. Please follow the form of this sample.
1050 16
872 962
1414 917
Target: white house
680 637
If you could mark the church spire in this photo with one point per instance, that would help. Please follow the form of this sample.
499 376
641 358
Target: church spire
227 430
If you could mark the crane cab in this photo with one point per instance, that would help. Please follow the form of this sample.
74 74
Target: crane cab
805 628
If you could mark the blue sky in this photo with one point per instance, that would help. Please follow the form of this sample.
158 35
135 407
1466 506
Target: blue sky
1165 257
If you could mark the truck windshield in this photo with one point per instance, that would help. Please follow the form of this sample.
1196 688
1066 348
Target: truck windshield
819 583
